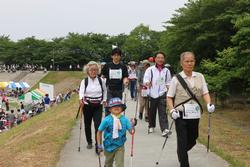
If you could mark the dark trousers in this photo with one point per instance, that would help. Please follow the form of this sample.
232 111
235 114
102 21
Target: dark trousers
158 104
187 132
90 113
113 93
133 88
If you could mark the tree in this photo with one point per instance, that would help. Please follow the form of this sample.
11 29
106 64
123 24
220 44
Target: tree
141 43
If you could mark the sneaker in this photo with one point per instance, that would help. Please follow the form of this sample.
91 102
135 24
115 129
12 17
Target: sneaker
89 146
146 119
150 130
165 132
140 116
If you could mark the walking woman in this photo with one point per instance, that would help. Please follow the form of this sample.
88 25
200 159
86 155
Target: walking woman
185 107
92 95
132 76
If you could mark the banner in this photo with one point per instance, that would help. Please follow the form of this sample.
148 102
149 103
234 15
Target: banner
48 89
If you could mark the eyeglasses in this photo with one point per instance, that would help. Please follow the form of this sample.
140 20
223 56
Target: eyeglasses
94 70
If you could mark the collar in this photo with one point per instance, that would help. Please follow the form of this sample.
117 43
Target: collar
185 76
118 116
89 78
159 67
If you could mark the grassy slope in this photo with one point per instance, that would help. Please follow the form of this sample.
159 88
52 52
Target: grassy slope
230 135
38 141
55 77
62 80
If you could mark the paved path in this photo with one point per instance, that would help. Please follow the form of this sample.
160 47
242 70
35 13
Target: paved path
146 150
24 76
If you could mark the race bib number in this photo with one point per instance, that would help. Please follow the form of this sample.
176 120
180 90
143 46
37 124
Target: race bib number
132 76
144 92
191 111
115 74
160 81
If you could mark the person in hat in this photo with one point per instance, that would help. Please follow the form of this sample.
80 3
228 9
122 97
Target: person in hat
116 75
114 126
132 76
143 91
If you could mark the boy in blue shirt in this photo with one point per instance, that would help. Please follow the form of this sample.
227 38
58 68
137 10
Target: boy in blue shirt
114 126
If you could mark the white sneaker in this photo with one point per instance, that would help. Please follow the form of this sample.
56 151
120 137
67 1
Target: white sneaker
165 132
150 130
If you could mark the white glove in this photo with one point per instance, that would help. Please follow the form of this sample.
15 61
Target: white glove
175 114
210 108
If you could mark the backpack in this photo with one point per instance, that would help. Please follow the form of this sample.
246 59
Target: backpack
86 84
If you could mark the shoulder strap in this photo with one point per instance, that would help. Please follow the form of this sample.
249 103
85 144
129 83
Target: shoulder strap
85 84
166 76
151 75
100 82
187 89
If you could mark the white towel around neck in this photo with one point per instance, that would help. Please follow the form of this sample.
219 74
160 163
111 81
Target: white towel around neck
116 126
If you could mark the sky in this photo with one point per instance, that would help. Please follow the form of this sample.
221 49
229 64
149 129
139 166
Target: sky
47 19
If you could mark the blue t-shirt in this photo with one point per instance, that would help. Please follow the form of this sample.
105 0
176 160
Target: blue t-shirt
46 100
106 125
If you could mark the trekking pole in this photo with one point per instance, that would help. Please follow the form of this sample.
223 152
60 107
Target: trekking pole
125 98
78 112
208 131
99 157
136 109
132 150
169 133
133 133
81 115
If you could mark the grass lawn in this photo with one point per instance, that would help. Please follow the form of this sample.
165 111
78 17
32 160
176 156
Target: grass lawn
230 135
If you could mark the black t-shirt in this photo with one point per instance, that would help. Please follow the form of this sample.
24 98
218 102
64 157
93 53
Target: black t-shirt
115 73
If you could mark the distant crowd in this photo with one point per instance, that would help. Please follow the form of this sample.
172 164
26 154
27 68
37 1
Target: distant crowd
35 67
10 118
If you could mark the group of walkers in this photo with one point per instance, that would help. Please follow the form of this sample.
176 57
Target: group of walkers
157 87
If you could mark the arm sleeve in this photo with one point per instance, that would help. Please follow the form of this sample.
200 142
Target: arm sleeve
104 90
204 86
103 125
169 77
81 91
124 72
128 125
172 87
147 76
